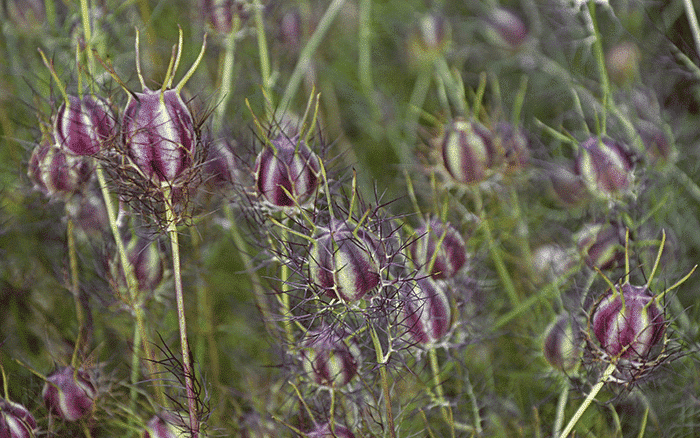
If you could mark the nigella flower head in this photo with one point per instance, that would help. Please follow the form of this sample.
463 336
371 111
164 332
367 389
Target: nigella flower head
440 248
627 326
287 171
562 343
606 168
425 309
82 126
158 130
329 358
57 172
16 421
467 150
69 393
345 261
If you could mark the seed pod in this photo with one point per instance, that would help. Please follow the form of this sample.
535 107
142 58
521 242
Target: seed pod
16 421
162 426
286 172
628 322
467 151
568 185
83 125
221 163
513 145
328 359
562 345
325 431
344 262
146 261
605 167
159 134
440 244
506 30
69 394
602 245
57 173
426 312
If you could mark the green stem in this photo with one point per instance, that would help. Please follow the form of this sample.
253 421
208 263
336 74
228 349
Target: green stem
594 391
693 22
309 49
600 61
444 407
180 300
75 290
132 286
85 15
226 86
381 361
264 57
475 405
561 406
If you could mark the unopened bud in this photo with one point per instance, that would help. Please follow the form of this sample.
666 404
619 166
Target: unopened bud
83 125
16 421
602 245
56 172
329 359
440 246
426 311
467 151
605 167
69 394
562 345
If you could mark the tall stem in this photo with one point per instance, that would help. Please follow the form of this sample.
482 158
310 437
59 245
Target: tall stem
594 391
179 298
381 361
75 290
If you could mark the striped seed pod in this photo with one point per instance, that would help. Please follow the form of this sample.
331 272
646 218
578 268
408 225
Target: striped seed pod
344 262
159 134
467 151
16 421
426 311
562 344
83 125
628 322
145 260
287 171
163 426
605 167
329 359
69 394
440 244
602 245
56 172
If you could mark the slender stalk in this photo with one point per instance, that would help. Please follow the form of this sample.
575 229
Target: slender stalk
381 361
226 86
444 407
692 22
594 391
561 406
264 57
75 290
305 56
475 405
132 286
180 300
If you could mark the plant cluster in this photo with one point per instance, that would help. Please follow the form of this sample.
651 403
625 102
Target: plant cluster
349 219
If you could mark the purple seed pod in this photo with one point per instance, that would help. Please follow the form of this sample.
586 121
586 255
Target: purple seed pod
159 134
568 185
83 125
162 426
440 244
506 30
467 151
602 244
514 146
328 359
287 171
628 322
69 394
146 261
605 167
220 166
426 311
344 262
55 172
562 345
16 421
325 431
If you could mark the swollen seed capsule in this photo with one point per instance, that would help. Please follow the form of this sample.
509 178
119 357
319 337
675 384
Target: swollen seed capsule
146 261
325 431
159 134
562 345
467 151
628 322
602 245
220 166
514 145
605 167
83 125
69 394
56 172
568 185
16 421
344 262
426 312
328 359
440 244
286 172
506 30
